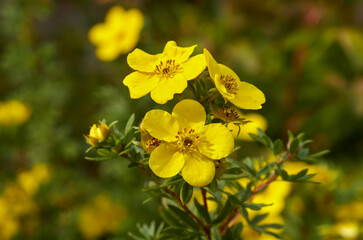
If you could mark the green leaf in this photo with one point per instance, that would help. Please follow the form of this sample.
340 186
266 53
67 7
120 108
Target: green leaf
272 225
319 154
215 234
186 193
248 192
255 137
255 206
98 158
106 153
129 123
227 209
202 210
303 153
294 145
278 146
213 186
183 216
258 219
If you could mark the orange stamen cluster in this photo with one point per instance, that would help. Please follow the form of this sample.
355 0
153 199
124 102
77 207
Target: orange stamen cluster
168 69
227 114
187 140
230 83
152 143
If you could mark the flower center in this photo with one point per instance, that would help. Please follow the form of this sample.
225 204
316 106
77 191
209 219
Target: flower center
227 114
187 140
167 69
152 143
229 83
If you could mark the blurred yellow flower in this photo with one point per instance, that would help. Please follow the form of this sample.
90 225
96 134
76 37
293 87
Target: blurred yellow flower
97 134
162 75
189 145
14 112
8 222
349 230
241 94
100 217
254 121
17 206
118 34
30 180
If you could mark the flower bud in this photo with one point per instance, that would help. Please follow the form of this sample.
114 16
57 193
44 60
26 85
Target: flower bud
97 134
220 167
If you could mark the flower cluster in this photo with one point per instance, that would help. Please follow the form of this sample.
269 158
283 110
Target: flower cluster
187 151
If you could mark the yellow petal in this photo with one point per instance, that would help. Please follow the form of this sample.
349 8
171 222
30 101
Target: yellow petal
167 87
115 16
248 96
142 61
227 71
189 114
179 54
216 141
136 19
96 34
257 121
161 125
198 170
140 83
212 65
165 161
222 89
194 66
107 52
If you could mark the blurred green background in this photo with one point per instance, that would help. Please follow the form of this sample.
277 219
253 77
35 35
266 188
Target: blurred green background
306 56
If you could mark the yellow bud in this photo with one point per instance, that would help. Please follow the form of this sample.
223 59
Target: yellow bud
98 134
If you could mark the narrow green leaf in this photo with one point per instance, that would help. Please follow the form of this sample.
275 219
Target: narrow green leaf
272 225
215 234
130 122
255 206
105 152
255 137
228 207
258 219
186 193
98 158
294 145
203 212
183 216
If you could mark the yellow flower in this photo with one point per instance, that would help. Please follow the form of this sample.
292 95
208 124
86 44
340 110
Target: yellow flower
118 34
254 121
241 94
30 180
162 75
9 225
188 144
97 134
14 112
100 217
